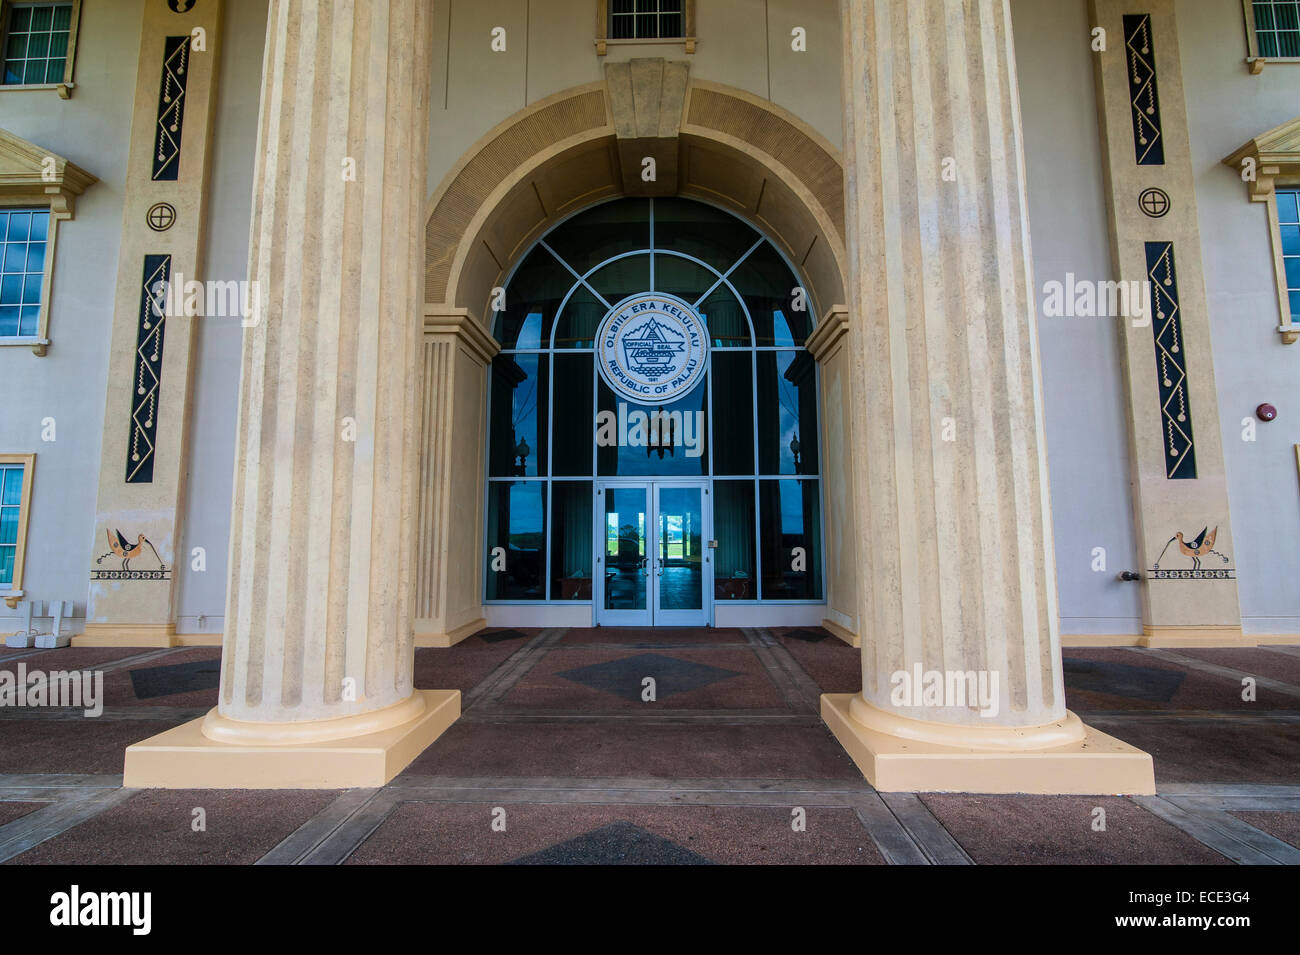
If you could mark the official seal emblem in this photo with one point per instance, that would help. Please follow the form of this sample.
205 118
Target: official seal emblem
652 348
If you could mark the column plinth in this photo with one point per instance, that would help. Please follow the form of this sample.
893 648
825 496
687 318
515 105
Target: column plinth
961 666
318 653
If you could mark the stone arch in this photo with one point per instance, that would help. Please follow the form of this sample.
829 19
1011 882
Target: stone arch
564 153
568 151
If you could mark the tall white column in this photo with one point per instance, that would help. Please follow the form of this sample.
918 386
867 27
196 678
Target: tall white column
319 620
954 542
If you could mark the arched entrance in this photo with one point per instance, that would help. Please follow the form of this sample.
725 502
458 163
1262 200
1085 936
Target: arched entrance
562 161
656 475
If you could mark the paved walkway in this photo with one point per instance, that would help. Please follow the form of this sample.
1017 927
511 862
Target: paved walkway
561 757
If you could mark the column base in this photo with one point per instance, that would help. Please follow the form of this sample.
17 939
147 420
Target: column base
845 634
1096 764
184 758
437 638
1191 637
127 635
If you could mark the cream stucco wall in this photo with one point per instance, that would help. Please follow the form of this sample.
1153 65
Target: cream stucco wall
68 384
743 43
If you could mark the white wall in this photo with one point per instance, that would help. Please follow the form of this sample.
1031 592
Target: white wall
216 380
92 130
1083 383
1227 106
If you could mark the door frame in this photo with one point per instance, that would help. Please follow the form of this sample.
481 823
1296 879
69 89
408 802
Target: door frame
652 616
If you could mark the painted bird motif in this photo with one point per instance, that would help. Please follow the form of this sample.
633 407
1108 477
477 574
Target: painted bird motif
123 548
1201 547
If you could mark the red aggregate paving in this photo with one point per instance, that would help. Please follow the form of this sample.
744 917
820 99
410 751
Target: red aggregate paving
71 746
119 686
544 687
833 665
155 827
636 637
1216 752
463 666
613 748
999 830
1280 825
1195 691
9 811
1256 662
70 658
434 833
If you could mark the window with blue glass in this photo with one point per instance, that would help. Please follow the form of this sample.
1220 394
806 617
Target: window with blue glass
1288 217
11 499
36 43
1277 27
23 237
757 445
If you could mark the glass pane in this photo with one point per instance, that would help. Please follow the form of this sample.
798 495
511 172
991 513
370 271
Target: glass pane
19 225
518 426
12 493
602 232
769 289
1292 273
41 18
1291 240
30 320
8 525
787 412
681 277
54 69
571 551
1286 207
708 234
516 523
733 529
790 531
9 320
669 439
38 45
32 289
532 299
35 256
1294 298
22 19
574 419
40 225
11 290
63 17
576 327
625 548
622 279
15 257
680 538
17 47
7 564
723 313
733 419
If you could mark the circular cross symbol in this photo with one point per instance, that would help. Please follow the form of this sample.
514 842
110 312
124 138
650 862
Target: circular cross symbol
652 348
161 216
1154 202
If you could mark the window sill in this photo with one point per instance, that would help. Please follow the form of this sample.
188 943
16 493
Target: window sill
37 345
688 42
11 598
64 89
1256 63
1290 333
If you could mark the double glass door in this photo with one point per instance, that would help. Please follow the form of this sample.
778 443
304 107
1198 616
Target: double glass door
653 563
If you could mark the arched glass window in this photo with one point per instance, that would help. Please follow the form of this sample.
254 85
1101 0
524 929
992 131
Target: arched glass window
758 450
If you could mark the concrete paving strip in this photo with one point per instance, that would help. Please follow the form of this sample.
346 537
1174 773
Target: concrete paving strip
71 809
1192 663
1273 648
515 667
313 833
354 829
926 831
799 689
172 714
1192 716
1225 834
61 780
709 717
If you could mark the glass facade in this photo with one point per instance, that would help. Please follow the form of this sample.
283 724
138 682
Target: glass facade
36 43
750 431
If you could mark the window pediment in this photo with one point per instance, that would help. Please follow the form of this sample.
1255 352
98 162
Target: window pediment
29 173
1274 155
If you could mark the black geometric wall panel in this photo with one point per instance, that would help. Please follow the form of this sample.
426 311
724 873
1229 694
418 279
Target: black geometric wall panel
1143 94
1171 362
171 109
147 373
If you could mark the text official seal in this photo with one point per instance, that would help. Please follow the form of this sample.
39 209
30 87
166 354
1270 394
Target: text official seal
652 348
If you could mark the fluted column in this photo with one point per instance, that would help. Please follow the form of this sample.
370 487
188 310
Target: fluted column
954 544
320 597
